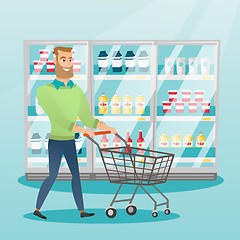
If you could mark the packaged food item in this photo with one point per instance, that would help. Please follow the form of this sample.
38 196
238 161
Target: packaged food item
44 53
39 109
77 66
38 66
115 104
129 142
193 66
200 140
172 95
103 104
117 143
50 66
140 104
205 107
130 61
179 107
188 140
78 143
103 61
36 143
127 104
117 61
181 62
72 52
166 106
163 140
198 95
143 61
176 140
169 65
205 66
104 142
192 107
140 143
186 95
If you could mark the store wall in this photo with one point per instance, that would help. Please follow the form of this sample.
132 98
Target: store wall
145 19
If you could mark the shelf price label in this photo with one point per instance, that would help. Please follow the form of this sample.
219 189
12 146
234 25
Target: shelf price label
206 77
141 119
206 160
206 119
141 77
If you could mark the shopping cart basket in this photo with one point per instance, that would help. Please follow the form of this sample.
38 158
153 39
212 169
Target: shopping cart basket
136 166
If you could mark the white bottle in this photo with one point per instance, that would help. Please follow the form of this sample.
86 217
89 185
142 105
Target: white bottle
169 65
205 66
36 143
181 62
193 66
39 109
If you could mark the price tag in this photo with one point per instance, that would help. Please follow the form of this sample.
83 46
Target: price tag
206 119
206 77
206 160
141 77
141 119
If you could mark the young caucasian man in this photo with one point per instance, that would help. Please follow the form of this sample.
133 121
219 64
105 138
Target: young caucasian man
63 101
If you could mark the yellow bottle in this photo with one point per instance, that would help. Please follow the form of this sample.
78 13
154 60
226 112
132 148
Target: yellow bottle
200 140
176 140
103 104
163 140
188 141
140 104
127 104
115 104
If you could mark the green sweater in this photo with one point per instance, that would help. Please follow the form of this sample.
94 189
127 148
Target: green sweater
62 107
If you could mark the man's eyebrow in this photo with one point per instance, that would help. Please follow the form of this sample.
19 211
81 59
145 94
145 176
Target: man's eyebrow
62 57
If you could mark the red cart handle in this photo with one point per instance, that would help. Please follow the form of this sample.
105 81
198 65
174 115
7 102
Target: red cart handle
97 133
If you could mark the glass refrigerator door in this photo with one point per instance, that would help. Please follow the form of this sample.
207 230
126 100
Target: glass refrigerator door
42 71
186 106
122 80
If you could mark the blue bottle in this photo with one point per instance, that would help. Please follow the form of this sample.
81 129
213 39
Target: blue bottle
103 61
117 61
130 61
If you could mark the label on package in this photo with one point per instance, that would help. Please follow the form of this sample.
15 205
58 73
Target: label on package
200 144
140 104
103 104
176 143
127 104
115 104
140 144
104 144
188 144
163 144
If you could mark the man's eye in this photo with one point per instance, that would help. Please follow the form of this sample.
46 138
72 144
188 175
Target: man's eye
63 60
69 60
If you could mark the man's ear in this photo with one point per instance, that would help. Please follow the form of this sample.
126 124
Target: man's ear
55 60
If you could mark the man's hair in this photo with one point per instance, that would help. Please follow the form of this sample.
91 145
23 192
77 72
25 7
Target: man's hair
64 49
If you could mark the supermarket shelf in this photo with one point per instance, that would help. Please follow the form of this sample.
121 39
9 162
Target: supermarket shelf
123 118
186 118
35 77
185 77
121 77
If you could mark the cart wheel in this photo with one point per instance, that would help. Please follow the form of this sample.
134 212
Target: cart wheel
167 211
155 213
111 212
131 209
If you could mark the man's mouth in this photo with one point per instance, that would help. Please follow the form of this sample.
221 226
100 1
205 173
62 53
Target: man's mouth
66 69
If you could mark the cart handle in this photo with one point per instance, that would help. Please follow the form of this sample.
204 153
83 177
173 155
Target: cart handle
97 133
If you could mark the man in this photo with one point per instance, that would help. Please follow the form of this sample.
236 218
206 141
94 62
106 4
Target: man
63 101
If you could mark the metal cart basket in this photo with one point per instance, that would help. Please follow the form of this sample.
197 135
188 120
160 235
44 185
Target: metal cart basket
136 166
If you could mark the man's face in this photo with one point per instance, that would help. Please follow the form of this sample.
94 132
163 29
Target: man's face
64 65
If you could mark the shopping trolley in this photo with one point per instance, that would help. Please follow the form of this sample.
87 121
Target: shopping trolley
136 166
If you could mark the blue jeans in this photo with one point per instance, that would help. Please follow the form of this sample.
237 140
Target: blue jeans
56 149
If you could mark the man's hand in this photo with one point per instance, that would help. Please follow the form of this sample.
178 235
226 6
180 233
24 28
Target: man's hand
102 126
113 130
89 132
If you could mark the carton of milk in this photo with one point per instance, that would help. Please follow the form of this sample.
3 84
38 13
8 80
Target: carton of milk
117 61
103 61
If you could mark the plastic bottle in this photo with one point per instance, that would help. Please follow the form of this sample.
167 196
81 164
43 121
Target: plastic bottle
200 140
36 143
115 104
188 141
127 104
140 104
140 143
104 142
176 140
117 143
163 140
129 142
103 104
39 109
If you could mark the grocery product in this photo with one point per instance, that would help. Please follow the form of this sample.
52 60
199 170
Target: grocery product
36 143
192 107
39 109
104 142
169 65
200 140
77 66
188 140
72 52
44 54
181 62
103 104
179 107
198 95
117 61
205 66
117 143
140 104
193 66
143 61
205 107
38 66
130 61
166 106
163 140
127 104
103 61
186 94
172 95
78 143
50 66
176 140
115 104
140 143
129 142
46 142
